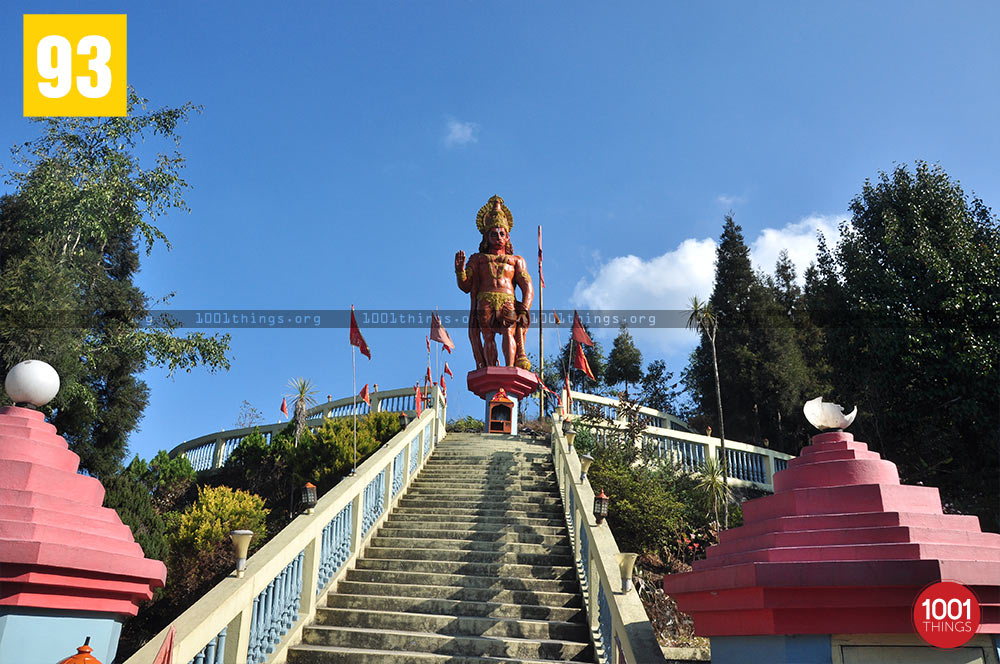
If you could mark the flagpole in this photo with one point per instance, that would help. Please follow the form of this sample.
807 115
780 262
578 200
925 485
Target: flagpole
541 338
354 388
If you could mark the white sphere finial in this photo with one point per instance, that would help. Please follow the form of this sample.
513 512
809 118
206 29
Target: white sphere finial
826 415
32 381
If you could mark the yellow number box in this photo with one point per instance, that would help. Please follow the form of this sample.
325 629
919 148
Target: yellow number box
74 65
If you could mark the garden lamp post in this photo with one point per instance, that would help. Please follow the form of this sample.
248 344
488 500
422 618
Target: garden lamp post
601 503
585 461
626 563
241 545
307 497
569 432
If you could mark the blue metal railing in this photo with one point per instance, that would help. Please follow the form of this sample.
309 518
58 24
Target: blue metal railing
414 454
275 610
604 623
214 652
398 464
374 502
427 439
335 546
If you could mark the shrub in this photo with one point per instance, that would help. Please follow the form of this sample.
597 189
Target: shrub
216 512
127 493
469 424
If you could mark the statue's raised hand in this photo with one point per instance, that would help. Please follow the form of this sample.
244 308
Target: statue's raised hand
459 261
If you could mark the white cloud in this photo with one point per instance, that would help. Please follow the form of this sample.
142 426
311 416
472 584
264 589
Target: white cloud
729 201
665 283
668 282
461 133
798 238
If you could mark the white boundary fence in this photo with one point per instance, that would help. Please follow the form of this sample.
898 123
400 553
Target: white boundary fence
618 621
252 620
749 465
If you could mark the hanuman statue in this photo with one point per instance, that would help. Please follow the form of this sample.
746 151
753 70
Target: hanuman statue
490 278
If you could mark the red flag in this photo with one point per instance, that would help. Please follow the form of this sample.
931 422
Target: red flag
580 334
419 399
284 406
428 340
569 396
558 320
580 362
166 653
364 395
444 388
356 338
439 334
429 379
447 370
545 387
541 275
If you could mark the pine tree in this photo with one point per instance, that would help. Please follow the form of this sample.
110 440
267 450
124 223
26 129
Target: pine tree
625 361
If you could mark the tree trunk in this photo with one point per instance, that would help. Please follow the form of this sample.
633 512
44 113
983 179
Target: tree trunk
722 438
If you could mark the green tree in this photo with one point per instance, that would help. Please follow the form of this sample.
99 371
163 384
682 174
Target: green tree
69 251
659 389
624 362
127 492
916 340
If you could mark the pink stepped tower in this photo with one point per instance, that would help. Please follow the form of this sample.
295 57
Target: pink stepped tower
69 568
840 548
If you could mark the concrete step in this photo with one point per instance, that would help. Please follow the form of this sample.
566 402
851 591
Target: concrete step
546 598
514 534
464 580
470 516
442 644
474 569
453 625
312 654
467 545
457 555
452 607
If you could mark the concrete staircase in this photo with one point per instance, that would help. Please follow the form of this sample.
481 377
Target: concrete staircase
474 566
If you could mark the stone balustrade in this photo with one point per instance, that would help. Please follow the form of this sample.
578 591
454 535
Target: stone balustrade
749 465
616 615
209 453
252 620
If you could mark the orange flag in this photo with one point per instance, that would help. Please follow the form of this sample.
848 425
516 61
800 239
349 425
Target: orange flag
580 362
541 275
284 406
444 388
580 334
429 379
356 338
447 370
166 653
419 398
364 395
439 334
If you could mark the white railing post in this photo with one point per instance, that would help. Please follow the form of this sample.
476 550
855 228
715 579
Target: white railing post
238 637
356 519
220 446
310 577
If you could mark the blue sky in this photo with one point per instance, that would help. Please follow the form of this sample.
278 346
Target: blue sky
344 150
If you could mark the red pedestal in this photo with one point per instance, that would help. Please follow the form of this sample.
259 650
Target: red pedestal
59 548
516 382
840 548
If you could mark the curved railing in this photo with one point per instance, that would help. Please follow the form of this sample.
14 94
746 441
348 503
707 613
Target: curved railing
618 621
209 452
748 465
254 619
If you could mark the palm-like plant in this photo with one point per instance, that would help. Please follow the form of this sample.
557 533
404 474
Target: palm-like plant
714 484
703 319
302 397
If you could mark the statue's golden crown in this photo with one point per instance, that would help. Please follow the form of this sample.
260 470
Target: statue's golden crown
486 219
